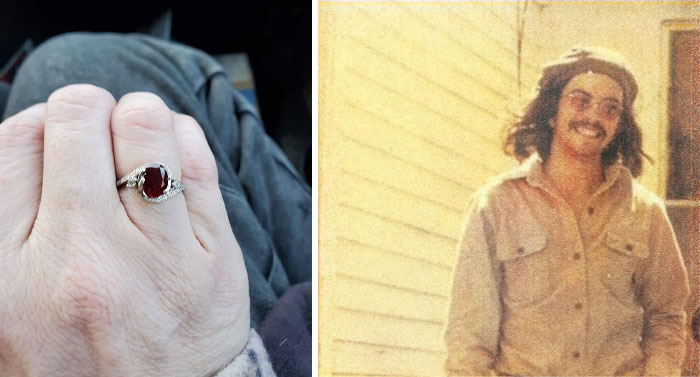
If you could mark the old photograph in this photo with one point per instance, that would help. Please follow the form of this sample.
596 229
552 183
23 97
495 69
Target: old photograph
509 188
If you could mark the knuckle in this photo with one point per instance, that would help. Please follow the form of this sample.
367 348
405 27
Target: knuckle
79 101
188 121
75 107
200 163
196 156
27 125
141 97
144 110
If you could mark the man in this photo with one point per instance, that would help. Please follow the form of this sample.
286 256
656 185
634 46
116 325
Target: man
567 265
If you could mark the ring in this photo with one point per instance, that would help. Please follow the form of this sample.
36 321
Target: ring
154 180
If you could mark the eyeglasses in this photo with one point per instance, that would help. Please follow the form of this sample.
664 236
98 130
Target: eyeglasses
606 109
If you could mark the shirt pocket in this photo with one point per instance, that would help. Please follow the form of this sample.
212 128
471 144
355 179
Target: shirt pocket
626 248
526 267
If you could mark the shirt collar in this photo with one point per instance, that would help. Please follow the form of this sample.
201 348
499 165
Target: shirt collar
532 170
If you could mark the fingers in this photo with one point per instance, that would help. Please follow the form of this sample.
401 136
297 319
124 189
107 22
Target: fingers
21 154
78 164
205 205
142 132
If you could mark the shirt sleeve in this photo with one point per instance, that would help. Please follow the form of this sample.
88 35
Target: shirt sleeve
664 295
253 361
473 324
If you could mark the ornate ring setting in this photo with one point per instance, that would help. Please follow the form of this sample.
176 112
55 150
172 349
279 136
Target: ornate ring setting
154 180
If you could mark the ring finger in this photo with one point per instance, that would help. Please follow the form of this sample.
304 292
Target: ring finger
142 132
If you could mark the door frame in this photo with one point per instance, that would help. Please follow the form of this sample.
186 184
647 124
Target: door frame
669 27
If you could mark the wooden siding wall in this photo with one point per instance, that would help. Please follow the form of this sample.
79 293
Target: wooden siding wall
413 101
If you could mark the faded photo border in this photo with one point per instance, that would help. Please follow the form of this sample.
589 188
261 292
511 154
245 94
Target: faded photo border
413 103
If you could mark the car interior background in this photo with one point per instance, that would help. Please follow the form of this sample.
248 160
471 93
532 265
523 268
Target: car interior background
264 46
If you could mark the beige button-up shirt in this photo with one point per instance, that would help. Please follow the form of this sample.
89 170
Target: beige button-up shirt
537 293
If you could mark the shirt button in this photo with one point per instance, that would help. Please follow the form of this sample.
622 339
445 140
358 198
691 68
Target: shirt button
629 247
577 256
578 306
590 210
521 250
576 355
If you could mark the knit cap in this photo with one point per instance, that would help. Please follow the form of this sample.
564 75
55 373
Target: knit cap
595 59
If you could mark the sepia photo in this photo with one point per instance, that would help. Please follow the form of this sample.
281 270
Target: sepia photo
509 188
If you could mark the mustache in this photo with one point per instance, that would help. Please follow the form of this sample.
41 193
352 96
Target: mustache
574 125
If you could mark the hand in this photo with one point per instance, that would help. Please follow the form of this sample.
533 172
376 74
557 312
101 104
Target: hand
95 280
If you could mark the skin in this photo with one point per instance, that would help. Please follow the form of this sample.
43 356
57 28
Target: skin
95 280
574 166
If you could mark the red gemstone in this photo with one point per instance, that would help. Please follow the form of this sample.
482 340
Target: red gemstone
155 181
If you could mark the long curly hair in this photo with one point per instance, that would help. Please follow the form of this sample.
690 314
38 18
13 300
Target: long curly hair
532 133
